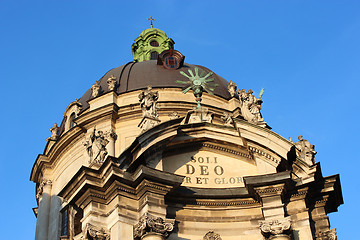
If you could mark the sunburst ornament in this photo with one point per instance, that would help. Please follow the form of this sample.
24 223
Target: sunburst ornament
198 83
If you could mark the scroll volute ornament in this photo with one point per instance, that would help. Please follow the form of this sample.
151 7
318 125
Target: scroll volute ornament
211 235
276 228
95 233
150 224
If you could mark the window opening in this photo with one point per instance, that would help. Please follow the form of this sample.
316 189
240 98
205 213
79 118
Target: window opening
154 43
154 56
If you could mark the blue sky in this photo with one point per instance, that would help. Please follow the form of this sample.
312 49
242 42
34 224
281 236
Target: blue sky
306 54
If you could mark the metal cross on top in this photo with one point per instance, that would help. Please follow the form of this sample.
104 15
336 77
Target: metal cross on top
151 21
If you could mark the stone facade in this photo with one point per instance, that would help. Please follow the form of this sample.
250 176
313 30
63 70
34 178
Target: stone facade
154 163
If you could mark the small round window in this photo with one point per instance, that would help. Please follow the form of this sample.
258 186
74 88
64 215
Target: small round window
154 43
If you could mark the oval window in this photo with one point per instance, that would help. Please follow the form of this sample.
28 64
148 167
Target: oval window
154 43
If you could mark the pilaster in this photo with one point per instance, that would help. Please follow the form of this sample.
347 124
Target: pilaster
42 223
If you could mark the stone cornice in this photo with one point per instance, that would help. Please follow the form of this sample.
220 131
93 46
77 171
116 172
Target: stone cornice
274 161
109 110
66 139
108 181
268 191
219 203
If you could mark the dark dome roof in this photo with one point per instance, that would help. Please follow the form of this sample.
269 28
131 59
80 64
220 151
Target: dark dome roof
138 75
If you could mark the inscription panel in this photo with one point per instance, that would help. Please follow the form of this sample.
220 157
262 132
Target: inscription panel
209 170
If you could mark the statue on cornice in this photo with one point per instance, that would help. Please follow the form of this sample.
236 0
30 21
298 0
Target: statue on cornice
250 106
305 150
232 88
96 146
111 82
54 132
95 89
148 103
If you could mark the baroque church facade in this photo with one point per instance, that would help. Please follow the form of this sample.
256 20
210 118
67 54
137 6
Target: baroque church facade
161 149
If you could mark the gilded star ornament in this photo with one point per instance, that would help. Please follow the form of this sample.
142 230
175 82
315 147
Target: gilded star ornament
198 83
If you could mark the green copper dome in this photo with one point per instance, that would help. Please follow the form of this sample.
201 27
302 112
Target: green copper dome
150 44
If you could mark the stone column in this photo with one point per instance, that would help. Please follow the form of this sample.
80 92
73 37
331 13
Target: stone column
44 197
275 226
150 227
271 197
122 230
54 217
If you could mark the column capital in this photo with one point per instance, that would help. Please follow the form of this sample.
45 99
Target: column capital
326 235
276 228
40 188
149 224
272 190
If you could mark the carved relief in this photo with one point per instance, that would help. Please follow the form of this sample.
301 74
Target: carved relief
250 107
211 235
111 82
276 227
326 235
96 233
232 88
151 224
95 89
54 132
305 151
174 115
199 115
96 145
148 102
147 123
227 118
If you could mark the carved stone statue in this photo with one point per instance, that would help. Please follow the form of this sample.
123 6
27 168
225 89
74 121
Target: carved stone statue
54 131
111 82
148 102
276 228
211 235
151 224
250 107
96 146
95 89
305 151
232 88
